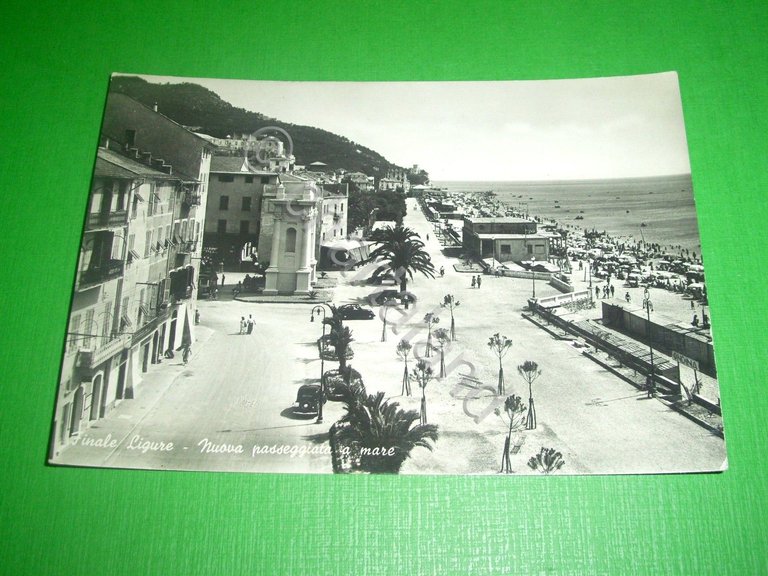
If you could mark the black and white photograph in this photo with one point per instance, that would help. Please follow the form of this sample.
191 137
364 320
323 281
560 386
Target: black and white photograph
492 277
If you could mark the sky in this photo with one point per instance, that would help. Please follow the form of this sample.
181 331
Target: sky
629 126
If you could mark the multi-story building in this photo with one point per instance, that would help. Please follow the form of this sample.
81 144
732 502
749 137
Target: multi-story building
505 239
135 288
233 218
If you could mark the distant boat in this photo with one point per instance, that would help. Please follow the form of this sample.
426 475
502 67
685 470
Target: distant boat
579 218
643 225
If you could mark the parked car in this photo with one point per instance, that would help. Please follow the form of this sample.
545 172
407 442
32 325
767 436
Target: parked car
308 400
633 280
382 275
382 296
355 312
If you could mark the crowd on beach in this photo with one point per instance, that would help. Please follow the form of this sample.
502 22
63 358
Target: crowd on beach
672 268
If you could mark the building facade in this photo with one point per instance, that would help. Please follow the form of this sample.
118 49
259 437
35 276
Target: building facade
233 218
505 239
135 287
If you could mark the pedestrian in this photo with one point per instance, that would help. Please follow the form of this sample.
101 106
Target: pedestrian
693 306
187 353
478 280
695 320
597 291
222 280
242 324
197 317
613 290
250 324
473 281
442 271
628 297
427 237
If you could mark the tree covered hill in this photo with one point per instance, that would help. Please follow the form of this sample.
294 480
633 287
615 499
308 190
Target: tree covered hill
193 105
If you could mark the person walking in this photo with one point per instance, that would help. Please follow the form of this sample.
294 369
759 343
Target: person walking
250 324
186 353
222 280
473 281
478 280
597 292
613 290
242 324
442 271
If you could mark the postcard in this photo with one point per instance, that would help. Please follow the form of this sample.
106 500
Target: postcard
390 277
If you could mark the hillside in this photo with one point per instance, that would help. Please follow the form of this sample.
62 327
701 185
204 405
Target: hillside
193 105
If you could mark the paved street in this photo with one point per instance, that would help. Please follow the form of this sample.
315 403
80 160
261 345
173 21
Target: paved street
237 390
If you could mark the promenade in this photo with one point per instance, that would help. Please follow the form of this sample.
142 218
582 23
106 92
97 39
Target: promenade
237 391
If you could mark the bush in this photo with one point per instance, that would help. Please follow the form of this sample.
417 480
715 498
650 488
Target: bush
333 381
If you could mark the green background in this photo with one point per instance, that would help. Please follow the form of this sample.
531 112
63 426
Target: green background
56 58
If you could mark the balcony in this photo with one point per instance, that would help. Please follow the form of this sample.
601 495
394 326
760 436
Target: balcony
101 220
106 271
186 247
149 326
192 198
90 358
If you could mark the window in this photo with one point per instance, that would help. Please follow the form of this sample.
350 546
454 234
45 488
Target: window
222 227
224 203
342 207
247 203
249 179
506 249
147 244
530 249
74 330
226 178
290 240
88 328
244 226
265 179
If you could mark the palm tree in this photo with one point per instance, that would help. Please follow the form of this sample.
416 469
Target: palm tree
422 373
430 320
529 370
403 350
381 433
403 251
546 461
500 345
451 303
340 340
515 411
443 337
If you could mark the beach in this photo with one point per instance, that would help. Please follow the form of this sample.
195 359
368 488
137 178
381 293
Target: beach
619 207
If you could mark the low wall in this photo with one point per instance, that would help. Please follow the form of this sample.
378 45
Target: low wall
559 300
560 285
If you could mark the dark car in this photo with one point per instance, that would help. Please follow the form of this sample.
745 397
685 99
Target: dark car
308 400
355 312
384 295
382 275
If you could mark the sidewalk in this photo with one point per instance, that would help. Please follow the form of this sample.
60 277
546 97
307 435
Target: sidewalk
117 426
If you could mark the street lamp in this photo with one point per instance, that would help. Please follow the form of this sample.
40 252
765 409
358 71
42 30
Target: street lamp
533 276
648 305
318 310
493 252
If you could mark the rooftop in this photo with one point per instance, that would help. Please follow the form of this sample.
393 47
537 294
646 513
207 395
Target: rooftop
110 164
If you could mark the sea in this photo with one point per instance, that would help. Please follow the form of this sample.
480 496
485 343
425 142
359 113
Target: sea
656 209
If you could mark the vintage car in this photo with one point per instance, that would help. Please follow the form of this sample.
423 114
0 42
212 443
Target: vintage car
355 312
308 400
383 295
